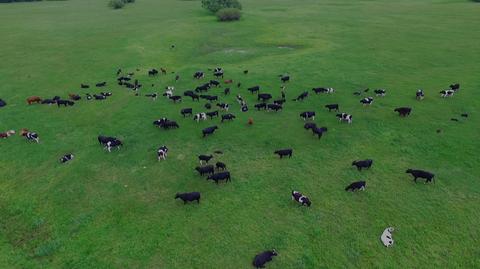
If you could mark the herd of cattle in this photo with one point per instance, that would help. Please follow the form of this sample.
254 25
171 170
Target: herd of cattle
218 172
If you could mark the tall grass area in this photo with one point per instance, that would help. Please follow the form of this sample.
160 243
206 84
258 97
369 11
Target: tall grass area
116 210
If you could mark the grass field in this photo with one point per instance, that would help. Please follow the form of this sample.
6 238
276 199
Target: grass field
116 210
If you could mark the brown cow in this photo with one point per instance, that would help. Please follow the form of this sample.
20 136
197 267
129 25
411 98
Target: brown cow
33 99
7 134
228 81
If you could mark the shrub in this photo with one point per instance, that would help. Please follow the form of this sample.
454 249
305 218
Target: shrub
215 5
116 4
229 14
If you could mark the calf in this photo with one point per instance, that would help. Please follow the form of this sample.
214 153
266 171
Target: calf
300 198
186 111
208 169
254 89
380 92
200 116
220 176
65 103
421 174
205 158
332 107
447 93
261 259
284 152
319 131
209 130
228 117
220 166
345 117
162 153
67 158
358 185
188 197
30 136
367 101
403 111
363 164
212 114
307 115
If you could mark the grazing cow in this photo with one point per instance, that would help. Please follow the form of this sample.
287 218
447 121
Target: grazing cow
211 98
345 117
175 98
186 111
84 86
447 93
74 97
220 166
223 106
153 72
203 88
421 174
100 97
56 98
357 93
279 102
48 101
226 91
284 152
309 125
363 164
357 185
113 144
30 136
386 237
274 107
465 115
212 114
261 259
367 101
66 158
319 131
214 83
160 122
455 87
152 95
228 117
200 116
195 97
170 124
209 130
264 97
403 111
284 78
220 176
228 81
103 140
332 107
254 89
261 106
300 198
323 90
245 72
162 153
380 92
208 169
205 158
7 134
188 93
419 95
307 115
101 84
301 97
198 75
33 99
188 197
65 103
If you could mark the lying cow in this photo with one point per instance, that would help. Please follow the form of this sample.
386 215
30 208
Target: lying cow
300 198
386 237
66 158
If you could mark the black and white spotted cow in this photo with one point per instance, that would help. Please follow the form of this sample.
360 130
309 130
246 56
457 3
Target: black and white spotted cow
307 115
31 136
323 90
345 117
358 185
113 144
66 158
198 75
386 237
419 95
300 198
380 92
200 116
239 99
447 93
223 106
218 72
332 107
367 101
455 87
162 153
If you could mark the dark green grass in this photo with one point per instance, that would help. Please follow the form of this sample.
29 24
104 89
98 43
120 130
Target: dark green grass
116 210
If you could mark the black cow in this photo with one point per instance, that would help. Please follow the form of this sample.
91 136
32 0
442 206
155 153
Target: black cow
99 97
264 97
220 166
188 197
65 103
226 91
220 176
186 111
175 98
363 164
102 140
308 115
153 72
403 111
261 106
274 107
170 124
309 125
300 198
66 158
203 88
254 89
261 259
284 78
101 84
48 101
2 103
284 152
212 114
209 130
84 86
228 117
421 174
455 87
279 101
214 83
301 97
319 131
358 185
332 107
205 158
75 97
208 169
